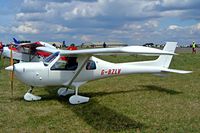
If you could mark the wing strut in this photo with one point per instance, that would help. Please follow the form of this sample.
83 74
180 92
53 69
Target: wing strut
79 70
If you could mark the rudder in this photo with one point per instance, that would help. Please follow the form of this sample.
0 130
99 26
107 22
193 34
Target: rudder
165 60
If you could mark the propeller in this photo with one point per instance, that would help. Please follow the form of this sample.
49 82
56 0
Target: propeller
12 72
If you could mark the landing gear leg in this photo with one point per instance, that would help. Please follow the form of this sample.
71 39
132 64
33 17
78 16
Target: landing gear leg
65 91
30 97
77 99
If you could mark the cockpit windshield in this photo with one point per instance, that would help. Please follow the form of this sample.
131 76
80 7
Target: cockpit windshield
50 58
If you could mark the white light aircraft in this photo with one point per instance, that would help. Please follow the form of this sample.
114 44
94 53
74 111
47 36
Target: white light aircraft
81 66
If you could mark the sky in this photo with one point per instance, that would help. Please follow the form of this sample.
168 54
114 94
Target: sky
79 21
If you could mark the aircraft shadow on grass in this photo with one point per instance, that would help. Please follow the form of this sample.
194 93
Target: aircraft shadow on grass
105 119
159 89
99 116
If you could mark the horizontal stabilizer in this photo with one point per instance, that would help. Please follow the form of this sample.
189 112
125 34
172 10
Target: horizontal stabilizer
176 71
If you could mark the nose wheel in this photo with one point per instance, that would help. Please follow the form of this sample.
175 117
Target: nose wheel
30 97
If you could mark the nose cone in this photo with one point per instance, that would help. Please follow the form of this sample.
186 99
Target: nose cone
9 68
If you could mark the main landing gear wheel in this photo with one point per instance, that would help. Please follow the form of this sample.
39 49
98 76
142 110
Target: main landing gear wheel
65 91
30 97
77 99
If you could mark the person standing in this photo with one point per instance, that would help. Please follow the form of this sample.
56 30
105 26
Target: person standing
72 60
1 47
72 47
193 47
104 45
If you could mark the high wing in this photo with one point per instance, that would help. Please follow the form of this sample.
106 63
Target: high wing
36 44
27 45
109 51
45 44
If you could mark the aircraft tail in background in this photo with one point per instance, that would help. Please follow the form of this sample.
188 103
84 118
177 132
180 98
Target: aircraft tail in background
16 41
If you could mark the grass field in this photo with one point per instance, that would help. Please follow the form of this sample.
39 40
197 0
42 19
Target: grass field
132 103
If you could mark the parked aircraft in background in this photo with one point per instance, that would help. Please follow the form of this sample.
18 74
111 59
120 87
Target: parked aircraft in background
27 52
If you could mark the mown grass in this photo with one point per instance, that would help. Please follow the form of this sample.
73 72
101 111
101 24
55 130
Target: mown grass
132 103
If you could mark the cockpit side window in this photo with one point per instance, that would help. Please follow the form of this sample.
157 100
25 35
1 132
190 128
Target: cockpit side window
91 65
66 63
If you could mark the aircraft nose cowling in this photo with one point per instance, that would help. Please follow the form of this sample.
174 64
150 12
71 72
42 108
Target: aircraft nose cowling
21 74
9 68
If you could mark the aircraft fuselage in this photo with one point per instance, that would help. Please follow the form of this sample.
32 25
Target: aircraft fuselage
37 74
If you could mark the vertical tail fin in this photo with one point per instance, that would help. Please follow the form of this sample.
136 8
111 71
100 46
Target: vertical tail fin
15 41
165 60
